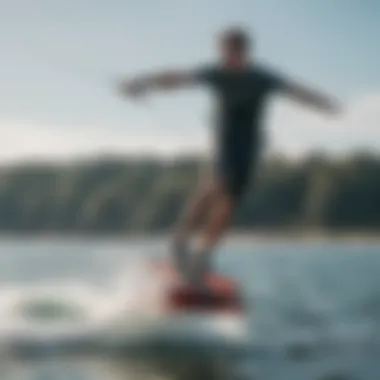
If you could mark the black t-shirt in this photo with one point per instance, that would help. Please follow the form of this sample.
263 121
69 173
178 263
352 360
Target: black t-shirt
241 97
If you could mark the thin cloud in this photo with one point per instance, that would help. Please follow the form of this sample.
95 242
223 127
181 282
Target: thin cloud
298 131
31 142
292 131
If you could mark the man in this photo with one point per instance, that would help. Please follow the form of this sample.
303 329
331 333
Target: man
241 87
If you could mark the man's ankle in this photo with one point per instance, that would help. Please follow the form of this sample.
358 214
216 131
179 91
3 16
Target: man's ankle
199 268
180 255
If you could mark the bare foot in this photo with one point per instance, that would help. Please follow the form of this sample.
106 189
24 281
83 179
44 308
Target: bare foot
200 267
180 256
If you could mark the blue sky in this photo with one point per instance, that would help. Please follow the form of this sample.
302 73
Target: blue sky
61 59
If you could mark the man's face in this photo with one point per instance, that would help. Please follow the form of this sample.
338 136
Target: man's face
229 52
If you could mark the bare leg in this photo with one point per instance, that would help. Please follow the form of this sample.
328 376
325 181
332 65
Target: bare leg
197 210
219 220
194 212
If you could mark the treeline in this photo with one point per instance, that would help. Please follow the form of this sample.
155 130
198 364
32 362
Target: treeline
128 195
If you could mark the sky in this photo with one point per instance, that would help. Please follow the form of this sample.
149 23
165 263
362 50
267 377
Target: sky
61 62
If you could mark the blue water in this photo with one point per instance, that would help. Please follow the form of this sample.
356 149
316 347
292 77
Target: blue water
314 310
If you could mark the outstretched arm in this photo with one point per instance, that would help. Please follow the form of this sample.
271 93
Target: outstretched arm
165 80
312 98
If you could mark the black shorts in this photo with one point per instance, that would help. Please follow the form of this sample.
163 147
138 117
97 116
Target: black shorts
235 166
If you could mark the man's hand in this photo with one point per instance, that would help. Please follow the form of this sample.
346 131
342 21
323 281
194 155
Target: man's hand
134 88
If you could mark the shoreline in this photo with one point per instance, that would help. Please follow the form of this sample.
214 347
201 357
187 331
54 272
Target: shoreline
235 235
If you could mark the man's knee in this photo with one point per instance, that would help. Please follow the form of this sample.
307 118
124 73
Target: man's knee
207 190
224 193
213 190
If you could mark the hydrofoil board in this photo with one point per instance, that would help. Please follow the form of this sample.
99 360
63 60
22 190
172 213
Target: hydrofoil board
219 294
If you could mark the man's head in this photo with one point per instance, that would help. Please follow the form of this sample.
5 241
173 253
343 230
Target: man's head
235 45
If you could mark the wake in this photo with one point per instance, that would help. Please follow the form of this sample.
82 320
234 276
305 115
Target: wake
127 312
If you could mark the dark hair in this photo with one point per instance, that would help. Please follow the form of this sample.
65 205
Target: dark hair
238 38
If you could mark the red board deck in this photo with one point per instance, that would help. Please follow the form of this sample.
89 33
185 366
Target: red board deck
220 294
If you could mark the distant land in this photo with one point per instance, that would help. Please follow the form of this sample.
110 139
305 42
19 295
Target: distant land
125 195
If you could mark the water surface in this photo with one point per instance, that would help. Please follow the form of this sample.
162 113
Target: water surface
315 311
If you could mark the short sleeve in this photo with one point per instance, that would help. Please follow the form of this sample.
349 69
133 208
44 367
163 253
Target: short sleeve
205 75
274 81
